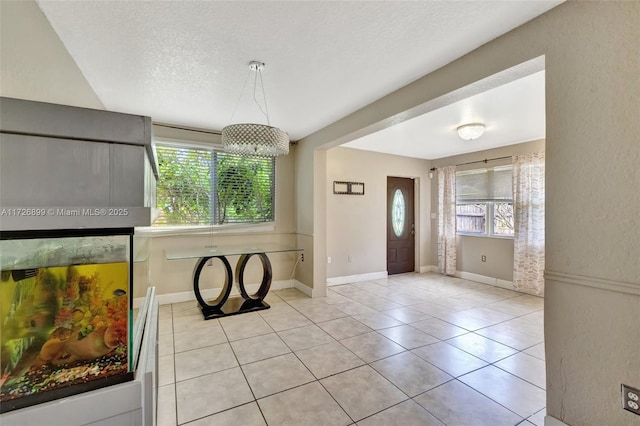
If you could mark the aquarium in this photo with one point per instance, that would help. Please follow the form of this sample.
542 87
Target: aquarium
65 312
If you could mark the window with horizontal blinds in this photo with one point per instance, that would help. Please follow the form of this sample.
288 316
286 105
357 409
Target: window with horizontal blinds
484 202
199 186
484 185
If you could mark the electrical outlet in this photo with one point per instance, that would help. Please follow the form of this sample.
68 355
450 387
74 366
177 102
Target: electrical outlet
328 259
631 399
483 258
349 258
301 257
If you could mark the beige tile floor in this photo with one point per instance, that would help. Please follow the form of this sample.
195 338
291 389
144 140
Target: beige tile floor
413 349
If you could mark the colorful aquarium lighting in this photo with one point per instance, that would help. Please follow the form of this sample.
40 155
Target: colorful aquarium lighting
65 316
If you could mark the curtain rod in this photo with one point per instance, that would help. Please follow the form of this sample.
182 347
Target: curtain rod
169 126
485 161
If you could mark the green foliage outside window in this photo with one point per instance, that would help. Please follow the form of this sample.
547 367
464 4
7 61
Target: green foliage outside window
243 187
243 193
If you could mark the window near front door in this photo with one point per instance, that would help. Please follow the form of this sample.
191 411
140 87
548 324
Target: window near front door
398 212
484 202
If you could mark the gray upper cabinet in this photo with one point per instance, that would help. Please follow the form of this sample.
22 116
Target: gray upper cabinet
85 168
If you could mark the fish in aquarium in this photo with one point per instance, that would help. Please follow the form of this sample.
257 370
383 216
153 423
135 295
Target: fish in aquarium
61 326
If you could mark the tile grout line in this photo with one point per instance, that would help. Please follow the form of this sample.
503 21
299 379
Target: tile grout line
325 389
365 364
242 371
405 349
491 363
175 385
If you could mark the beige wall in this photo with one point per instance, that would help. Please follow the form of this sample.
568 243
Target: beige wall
34 64
593 256
592 176
174 276
499 257
304 196
499 251
357 225
319 282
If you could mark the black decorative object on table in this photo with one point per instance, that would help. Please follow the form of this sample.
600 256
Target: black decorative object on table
224 304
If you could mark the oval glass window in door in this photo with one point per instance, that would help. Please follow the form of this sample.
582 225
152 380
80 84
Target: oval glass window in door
398 212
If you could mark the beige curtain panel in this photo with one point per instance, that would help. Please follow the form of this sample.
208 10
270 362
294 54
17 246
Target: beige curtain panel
447 220
528 238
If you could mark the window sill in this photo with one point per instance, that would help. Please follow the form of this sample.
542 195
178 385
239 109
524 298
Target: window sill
497 237
167 231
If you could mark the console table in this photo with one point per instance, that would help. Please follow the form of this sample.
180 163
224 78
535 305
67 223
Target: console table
224 305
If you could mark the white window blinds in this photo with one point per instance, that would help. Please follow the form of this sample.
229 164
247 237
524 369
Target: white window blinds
200 187
483 185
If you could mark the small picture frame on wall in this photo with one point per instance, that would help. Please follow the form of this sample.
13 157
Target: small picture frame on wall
356 188
340 187
348 188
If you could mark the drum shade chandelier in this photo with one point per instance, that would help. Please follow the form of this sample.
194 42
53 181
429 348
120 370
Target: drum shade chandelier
471 131
250 139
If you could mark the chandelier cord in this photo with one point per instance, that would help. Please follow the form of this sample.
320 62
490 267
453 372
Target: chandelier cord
253 139
239 97
265 111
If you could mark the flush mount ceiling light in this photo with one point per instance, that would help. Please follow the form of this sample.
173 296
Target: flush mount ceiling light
470 131
252 139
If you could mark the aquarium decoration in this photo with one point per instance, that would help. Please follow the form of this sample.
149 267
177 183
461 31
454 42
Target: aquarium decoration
65 310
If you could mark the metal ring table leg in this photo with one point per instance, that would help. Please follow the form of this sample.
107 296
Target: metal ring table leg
267 275
215 309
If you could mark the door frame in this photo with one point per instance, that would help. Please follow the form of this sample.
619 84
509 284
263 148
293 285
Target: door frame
416 217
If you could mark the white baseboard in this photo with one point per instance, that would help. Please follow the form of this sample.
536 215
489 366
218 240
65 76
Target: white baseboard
303 288
505 284
552 421
485 280
428 268
186 296
356 278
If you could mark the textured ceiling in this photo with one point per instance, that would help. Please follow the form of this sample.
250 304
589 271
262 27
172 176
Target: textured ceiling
185 62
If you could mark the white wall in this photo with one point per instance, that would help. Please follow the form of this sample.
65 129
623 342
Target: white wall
357 225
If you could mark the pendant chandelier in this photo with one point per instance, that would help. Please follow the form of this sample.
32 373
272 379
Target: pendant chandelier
251 139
